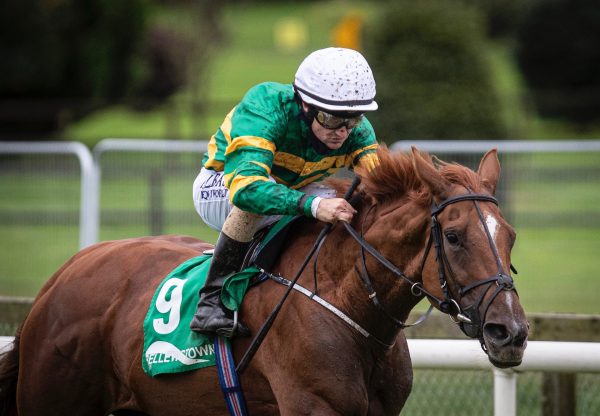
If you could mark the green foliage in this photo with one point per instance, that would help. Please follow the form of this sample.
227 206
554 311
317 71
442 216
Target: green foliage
432 73
503 17
63 59
559 55
69 48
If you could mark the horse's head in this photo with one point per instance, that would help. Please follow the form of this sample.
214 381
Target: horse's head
468 266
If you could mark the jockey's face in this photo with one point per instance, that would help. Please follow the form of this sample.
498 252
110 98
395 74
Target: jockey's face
332 138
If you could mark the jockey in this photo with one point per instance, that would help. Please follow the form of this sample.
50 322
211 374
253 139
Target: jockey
267 155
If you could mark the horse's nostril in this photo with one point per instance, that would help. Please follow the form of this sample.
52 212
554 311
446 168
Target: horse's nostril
519 340
520 337
503 336
498 333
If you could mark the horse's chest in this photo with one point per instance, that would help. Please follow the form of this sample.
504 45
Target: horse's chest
332 377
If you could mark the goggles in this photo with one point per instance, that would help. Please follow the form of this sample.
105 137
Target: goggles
331 122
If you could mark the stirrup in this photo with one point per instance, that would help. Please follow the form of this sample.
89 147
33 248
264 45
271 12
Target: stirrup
236 329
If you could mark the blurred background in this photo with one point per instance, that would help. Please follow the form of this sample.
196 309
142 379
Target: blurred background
449 70
446 69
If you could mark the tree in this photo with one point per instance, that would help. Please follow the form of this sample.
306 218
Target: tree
433 80
559 55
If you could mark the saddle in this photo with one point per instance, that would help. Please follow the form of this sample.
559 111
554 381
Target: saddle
262 253
266 244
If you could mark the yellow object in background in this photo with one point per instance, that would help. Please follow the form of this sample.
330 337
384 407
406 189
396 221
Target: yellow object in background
290 34
347 33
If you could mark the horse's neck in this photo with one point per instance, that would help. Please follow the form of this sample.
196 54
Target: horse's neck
400 235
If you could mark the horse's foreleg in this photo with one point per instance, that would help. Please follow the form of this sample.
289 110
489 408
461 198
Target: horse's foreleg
326 397
312 406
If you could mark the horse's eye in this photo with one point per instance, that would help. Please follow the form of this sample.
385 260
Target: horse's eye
452 237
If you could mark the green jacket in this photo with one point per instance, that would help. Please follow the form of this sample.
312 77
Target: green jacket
266 135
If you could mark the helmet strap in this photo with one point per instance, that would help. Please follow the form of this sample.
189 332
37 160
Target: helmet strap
306 116
311 113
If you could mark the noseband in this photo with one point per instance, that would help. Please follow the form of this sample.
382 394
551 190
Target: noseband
468 318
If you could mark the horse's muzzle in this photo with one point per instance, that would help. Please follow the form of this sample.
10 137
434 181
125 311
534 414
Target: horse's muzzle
505 342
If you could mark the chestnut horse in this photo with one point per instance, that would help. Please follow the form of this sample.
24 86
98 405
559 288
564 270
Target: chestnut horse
79 352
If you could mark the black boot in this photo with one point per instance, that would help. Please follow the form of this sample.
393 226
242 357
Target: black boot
212 317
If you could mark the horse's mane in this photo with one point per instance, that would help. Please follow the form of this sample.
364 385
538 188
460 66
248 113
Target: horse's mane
395 178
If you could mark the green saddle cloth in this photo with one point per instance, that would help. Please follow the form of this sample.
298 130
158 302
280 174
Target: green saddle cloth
169 344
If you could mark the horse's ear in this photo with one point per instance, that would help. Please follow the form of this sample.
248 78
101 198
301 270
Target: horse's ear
428 174
489 170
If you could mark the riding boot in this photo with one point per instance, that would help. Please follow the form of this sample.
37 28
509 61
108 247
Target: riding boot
211 316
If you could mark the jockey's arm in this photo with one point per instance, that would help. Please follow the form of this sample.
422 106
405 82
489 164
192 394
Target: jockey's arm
334 209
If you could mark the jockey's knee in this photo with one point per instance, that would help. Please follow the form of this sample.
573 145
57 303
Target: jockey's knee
241 225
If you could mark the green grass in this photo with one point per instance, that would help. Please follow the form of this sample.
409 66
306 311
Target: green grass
535 198
31 254
121 121
558 269
25 190
464 393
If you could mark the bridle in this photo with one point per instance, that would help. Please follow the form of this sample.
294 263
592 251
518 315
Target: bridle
472 326
468 318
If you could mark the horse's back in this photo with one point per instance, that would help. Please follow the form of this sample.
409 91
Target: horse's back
84 326
112 273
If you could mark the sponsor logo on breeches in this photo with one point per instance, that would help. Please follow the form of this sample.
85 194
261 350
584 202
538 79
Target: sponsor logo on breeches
213 187
215 180
214 193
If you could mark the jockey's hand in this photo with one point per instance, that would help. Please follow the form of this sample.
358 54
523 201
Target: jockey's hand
334 209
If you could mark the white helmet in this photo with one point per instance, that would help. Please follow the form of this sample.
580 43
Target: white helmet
336 79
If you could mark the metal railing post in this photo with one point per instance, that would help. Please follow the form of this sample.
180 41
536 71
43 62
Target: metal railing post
505 392
88 229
